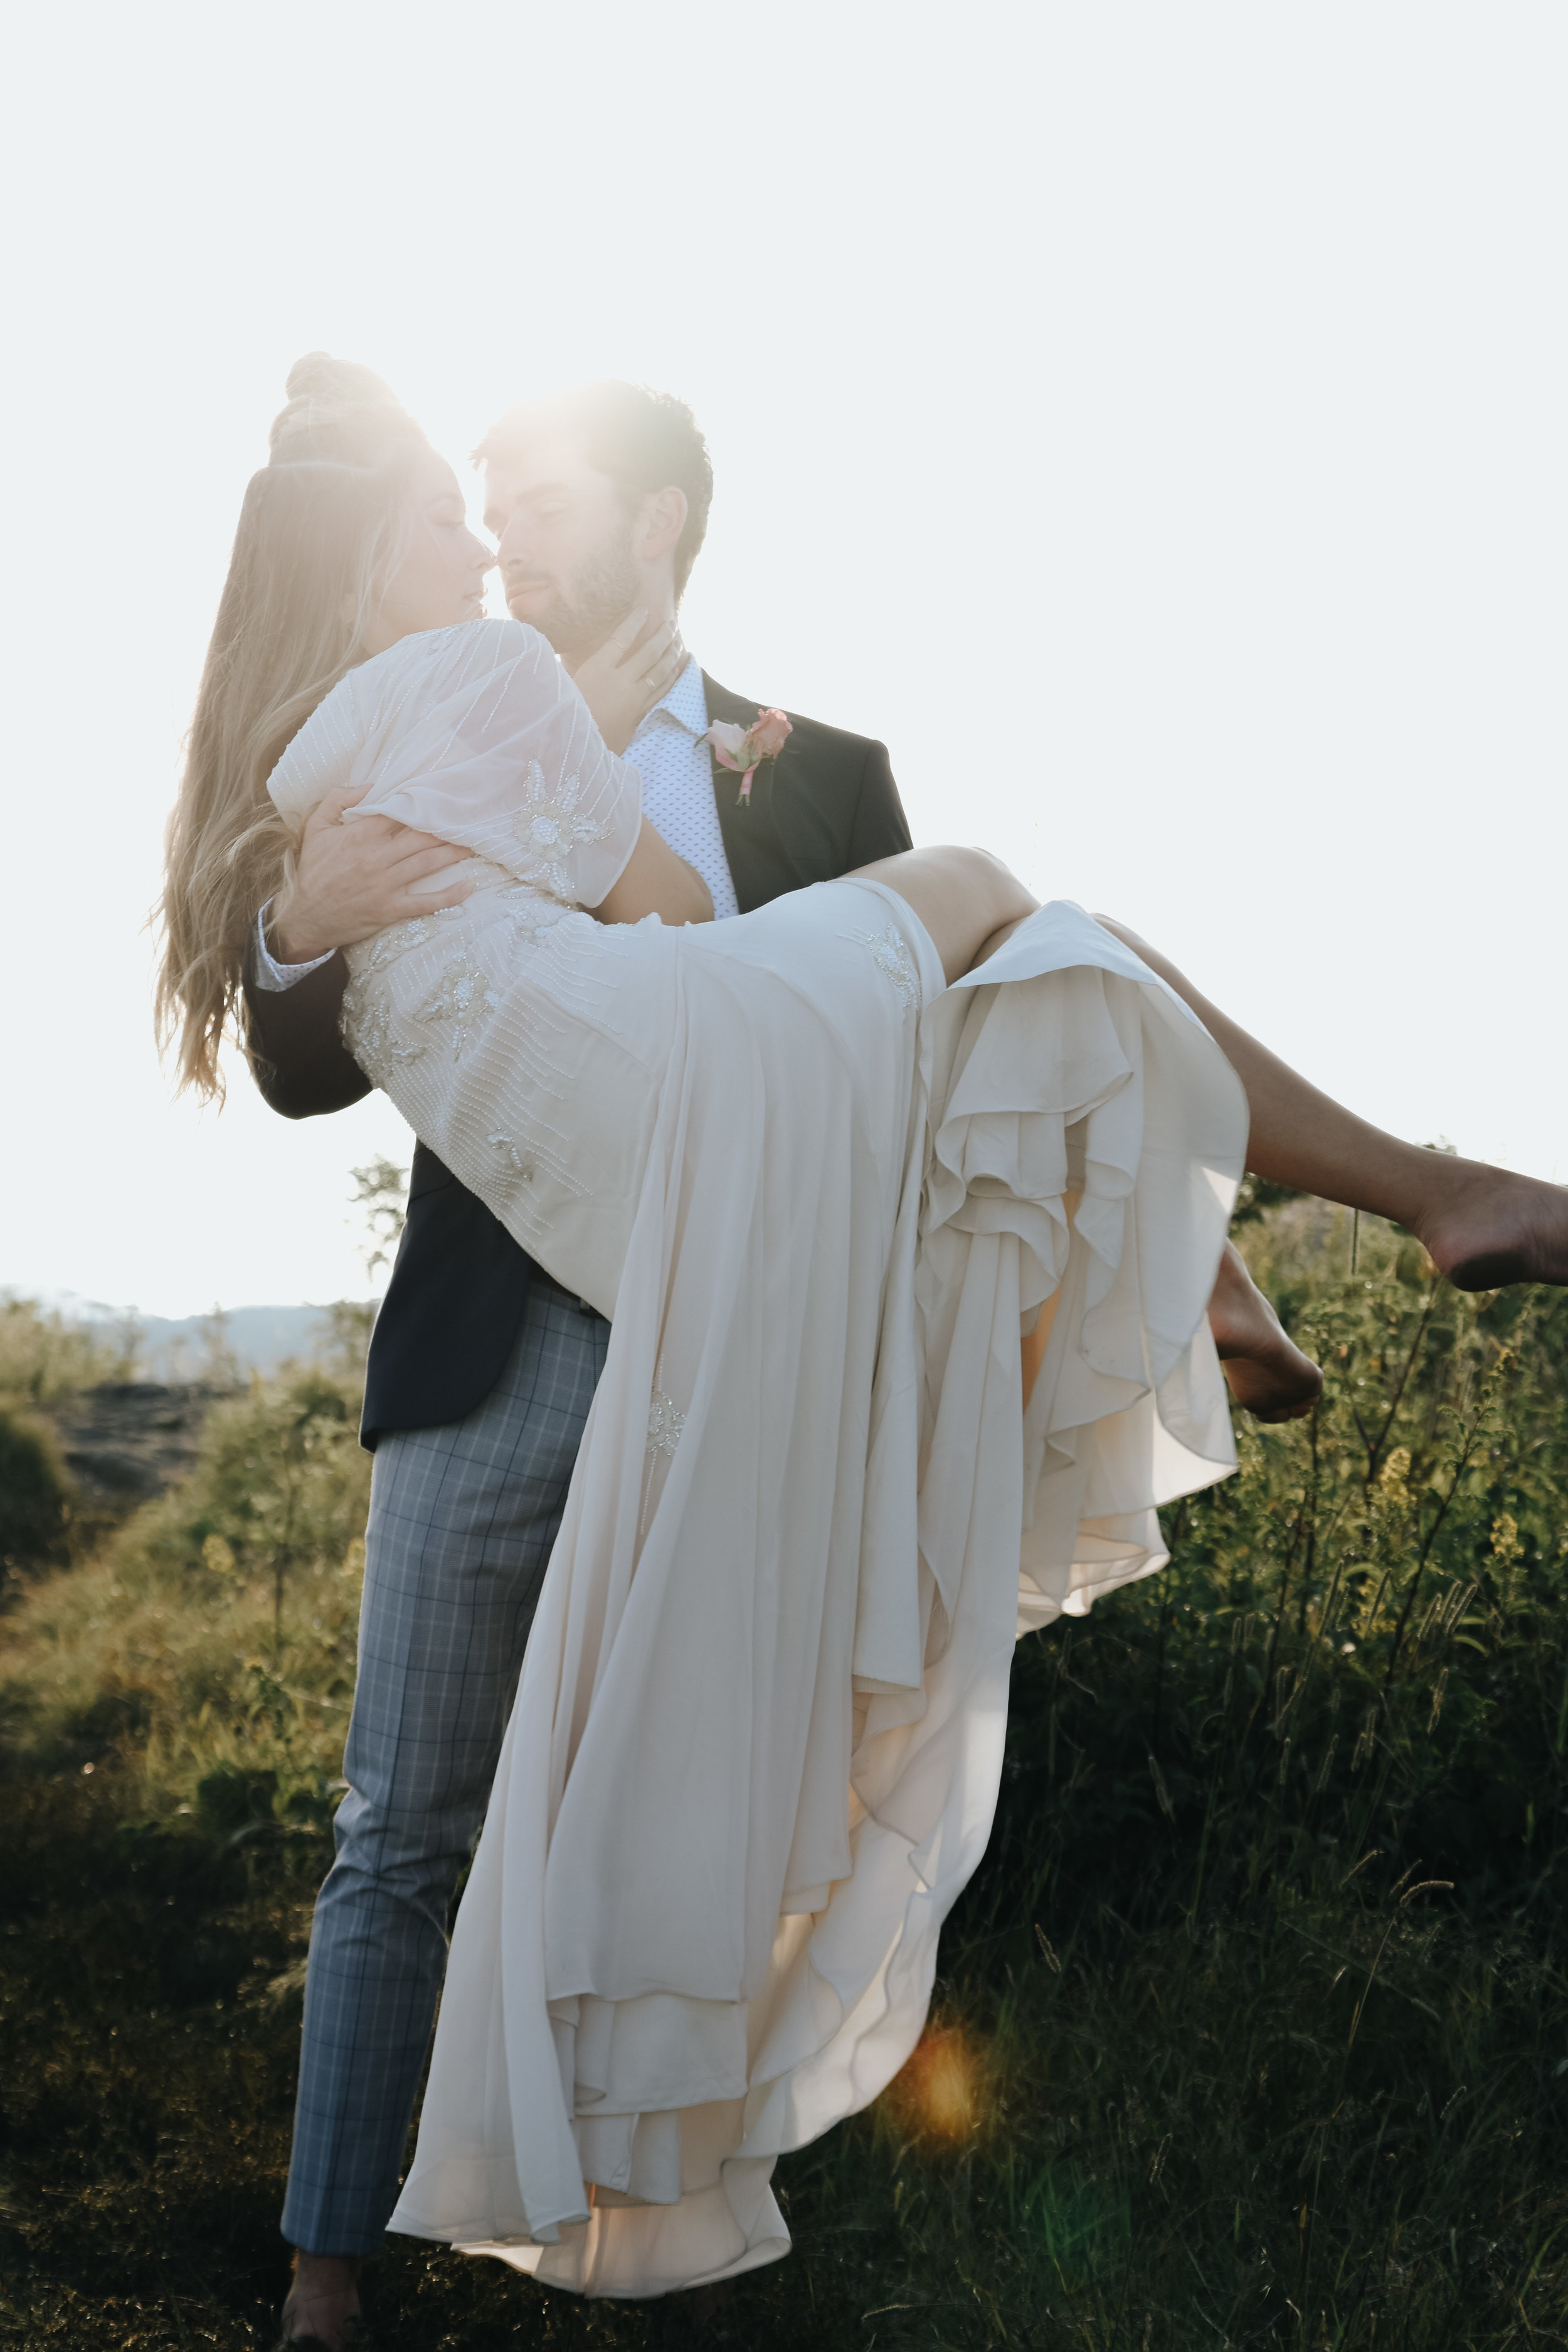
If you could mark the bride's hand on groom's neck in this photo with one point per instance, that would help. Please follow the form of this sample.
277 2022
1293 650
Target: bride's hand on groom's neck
350 881
631 671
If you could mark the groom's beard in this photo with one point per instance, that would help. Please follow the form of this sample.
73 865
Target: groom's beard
603 592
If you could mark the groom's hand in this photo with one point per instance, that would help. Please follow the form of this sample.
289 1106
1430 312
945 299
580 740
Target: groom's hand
352 880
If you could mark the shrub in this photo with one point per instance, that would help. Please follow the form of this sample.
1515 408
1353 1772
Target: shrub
34 1496
217 1628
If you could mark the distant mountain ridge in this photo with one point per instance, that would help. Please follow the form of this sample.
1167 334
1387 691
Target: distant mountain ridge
259 1338
192 1347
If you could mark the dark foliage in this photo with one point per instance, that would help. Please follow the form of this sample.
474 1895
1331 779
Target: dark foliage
1251 2030
35 1496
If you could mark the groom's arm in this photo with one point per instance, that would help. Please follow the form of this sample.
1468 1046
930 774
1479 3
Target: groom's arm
298 1058
880 828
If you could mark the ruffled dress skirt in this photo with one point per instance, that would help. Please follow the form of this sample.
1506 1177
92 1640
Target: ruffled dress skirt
756 1746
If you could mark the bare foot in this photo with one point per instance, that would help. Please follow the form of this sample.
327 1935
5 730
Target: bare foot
322 2305
1268 1374
1491 1227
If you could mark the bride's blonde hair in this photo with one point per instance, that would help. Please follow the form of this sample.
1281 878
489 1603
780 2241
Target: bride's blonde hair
321 531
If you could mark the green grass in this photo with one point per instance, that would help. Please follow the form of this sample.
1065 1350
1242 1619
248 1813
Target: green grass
1251 2030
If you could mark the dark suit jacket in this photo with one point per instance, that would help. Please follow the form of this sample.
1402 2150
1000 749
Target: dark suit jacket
459 1286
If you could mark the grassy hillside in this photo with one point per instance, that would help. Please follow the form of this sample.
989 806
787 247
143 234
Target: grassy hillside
1251 2030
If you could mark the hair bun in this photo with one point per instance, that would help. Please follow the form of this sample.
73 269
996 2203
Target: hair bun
337 409
339 384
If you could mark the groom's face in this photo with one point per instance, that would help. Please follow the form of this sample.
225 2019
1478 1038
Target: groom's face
565 544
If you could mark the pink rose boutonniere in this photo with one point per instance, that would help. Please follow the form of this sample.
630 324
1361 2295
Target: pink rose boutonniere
743 749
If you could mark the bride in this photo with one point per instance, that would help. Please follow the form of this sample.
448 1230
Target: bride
823 1165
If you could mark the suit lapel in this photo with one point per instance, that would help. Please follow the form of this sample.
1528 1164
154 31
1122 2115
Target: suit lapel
748 828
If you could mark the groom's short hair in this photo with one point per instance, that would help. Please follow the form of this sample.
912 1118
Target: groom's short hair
643 440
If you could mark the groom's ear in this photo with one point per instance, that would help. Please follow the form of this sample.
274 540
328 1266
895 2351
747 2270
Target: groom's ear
663 520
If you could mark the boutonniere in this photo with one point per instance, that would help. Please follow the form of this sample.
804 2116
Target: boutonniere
743 749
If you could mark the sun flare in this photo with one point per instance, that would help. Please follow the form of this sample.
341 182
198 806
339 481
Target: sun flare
939 2089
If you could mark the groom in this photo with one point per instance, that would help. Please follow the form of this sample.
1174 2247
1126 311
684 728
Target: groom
482 1369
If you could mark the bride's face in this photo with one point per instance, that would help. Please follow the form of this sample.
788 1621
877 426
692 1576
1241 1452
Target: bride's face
441 579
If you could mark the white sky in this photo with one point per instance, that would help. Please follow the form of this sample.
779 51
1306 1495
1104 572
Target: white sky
1150 421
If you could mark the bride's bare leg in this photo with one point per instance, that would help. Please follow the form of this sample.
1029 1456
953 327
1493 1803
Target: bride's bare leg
1268 1374
969 903
1482 1226
963 896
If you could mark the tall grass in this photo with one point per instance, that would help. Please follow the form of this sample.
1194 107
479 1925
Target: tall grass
43 1354
1250 2031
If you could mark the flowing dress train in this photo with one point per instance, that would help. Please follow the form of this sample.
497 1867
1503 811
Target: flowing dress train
756 1746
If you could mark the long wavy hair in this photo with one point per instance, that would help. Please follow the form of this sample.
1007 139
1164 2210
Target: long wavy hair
322 529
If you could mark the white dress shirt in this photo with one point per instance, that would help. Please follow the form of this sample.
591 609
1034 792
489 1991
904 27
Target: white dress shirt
670 753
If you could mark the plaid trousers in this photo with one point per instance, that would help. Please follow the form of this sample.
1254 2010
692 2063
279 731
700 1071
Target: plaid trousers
462 1520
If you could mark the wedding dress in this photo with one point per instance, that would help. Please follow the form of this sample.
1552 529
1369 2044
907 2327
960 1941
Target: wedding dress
757 1742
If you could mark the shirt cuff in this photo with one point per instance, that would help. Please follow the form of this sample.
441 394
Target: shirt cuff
271 974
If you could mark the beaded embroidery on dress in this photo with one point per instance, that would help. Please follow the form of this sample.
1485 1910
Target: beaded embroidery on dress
891 954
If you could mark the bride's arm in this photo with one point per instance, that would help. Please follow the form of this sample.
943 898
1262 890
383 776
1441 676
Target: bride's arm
620 684
493 749
654 881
